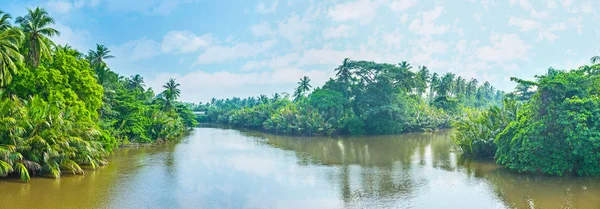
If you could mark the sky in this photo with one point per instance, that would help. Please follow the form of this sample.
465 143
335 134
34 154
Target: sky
222 49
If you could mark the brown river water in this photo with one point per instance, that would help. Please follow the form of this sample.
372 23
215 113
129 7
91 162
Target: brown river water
227 168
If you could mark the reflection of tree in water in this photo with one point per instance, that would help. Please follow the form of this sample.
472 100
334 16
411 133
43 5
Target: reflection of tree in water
519 190
377 168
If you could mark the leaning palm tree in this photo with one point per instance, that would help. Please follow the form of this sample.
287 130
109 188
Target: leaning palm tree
36 25
9 54
102 53
595 60
343 71
4 21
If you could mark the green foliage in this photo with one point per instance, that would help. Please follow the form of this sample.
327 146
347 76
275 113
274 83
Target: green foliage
63 111
475 133
557 132
364 98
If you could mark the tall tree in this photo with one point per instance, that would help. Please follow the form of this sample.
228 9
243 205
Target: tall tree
136 82
36 26
423 77
171 92
98 56
405 65
303 87
9 54
4 21
595 60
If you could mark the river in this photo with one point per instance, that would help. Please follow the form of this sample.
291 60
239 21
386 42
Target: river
227 168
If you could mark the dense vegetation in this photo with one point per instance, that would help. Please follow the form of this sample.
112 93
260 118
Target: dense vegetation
556 131
60 110
363 98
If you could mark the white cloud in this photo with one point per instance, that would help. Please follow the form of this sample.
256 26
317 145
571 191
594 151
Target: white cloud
393 39
324 56
263 9
576 22
587 7
402 5
511 68
78 39
548 33
504 47
426 47
338 31
523 23
539 14
294 28
426 25
214 54
59 6
262 29
524 4
275 62
134 50
184 42
404 18
361 10
461 46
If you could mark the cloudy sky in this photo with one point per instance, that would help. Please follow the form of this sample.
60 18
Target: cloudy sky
218 48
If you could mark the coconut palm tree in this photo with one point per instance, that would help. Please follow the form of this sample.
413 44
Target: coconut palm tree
595 60
405 65
423 77
4 21
98 56
9 54
303 87
36 26
171 92
343 72
136 82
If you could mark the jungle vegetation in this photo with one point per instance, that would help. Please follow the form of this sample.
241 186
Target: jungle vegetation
61 109
364 98
551 126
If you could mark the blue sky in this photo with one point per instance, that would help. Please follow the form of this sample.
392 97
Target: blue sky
246 48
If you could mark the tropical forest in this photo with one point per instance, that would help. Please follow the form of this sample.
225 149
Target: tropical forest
78 130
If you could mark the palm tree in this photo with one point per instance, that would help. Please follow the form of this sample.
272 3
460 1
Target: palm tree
97 57
343 72
9 54
136 82
276 97
171 92
424 78
406 65
595 60
303 87
4 21
38 33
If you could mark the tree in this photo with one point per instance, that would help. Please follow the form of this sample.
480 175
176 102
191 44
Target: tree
423 77
136 82
303 87
171 92
9 54
595 60
343 72
36 26
4 21
98 56
405 65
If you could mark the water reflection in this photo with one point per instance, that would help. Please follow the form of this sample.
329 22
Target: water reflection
225 168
